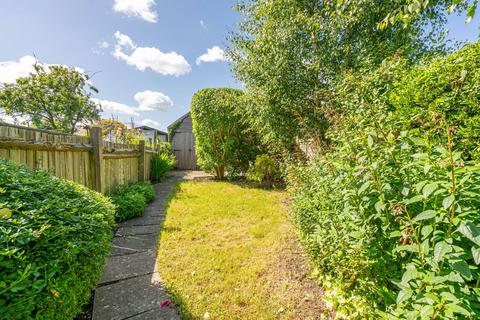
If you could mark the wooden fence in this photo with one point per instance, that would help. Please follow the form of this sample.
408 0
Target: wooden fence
87 160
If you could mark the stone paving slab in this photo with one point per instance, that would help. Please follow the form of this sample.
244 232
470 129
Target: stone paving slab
128 266
137 230
132 244
131 298
130 287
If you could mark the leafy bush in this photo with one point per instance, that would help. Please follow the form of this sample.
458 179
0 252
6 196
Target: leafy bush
131 199
449 86
264 170
144 188
128 205
162 162
54 236
391 215
224 142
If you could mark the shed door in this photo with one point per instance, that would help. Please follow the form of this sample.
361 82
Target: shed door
184 150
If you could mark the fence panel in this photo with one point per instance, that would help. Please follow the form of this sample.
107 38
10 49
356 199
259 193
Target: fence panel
75 157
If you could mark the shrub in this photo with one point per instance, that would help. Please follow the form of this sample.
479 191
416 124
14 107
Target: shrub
224 142
131 199
391 215
54 236
264 170
128 205
448 86
162 162
144 188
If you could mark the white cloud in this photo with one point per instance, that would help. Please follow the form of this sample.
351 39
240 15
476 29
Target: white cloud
152 100
104 44
115 107
11 70
137 8
123 41
213 54
170 63
150 122
203 24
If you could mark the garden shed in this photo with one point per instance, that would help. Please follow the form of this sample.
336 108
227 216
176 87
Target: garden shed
180 134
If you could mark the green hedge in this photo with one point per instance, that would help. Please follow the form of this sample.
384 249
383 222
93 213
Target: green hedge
223 140
390 215
54 236
130 200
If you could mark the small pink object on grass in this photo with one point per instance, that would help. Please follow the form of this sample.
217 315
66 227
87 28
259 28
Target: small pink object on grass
165 303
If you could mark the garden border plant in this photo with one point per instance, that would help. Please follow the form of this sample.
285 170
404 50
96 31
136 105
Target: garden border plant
54 237
391 214
130 199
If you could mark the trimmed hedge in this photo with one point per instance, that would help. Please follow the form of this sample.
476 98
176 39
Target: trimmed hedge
54 236
130 200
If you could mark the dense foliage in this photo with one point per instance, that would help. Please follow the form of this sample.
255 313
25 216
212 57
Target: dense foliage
289 53
118 132
54 97
449 86
224 142
264 170
391 214
54 236
162 162
130 199
408 10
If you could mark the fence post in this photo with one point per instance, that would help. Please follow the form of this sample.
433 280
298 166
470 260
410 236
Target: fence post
141 161
99 166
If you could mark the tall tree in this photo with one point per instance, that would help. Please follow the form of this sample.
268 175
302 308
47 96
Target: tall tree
408 10
288 53
53 97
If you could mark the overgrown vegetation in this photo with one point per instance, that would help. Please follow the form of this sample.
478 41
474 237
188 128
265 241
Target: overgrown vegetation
130 199
264 170
224 142
54 236
387 197
162 162
398 191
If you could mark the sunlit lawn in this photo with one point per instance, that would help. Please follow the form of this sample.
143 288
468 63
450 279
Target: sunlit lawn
217 247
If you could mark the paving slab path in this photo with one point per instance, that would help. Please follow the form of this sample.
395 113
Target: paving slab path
130 287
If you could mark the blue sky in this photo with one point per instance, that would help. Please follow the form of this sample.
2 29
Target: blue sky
72 32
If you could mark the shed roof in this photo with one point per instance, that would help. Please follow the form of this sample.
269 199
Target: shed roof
179 120
151 129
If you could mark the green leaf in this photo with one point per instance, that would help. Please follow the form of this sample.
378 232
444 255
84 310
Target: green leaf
470 231
426 312
426 231
455 308
5 213
462 267
429 189
476 255
370 141
403 295
413 200
448 201
428 214
441 248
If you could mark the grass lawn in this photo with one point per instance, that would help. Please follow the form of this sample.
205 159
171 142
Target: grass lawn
228 251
